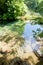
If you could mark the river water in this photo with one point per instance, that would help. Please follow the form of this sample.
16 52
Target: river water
28 31
30 39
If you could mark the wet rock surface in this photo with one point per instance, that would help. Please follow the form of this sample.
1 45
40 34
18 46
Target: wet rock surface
15 49
12 49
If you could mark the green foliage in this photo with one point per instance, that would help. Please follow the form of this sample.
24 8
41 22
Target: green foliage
11 9
40 34
35 5
32 4
40 7
2 2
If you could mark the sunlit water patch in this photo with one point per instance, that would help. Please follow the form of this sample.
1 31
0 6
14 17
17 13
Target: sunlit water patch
29 37
27 31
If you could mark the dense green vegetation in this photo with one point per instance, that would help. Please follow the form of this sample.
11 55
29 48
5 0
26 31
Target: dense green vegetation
19 29
11 9
35 5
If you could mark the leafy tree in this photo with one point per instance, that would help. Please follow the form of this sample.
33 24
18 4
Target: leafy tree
40 7
11 9
32 4
35 5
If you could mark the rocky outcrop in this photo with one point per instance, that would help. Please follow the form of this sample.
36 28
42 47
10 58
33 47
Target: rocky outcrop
12 52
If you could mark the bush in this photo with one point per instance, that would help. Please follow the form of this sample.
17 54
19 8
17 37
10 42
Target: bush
32 4
12 9
35 5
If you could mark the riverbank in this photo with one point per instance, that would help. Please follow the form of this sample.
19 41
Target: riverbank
13 37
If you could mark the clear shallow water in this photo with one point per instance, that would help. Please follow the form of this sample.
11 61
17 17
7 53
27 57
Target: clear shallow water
29 28
26 31
29 38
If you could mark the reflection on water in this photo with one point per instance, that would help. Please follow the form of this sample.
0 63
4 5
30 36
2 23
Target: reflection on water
21 41
29 36
27 31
